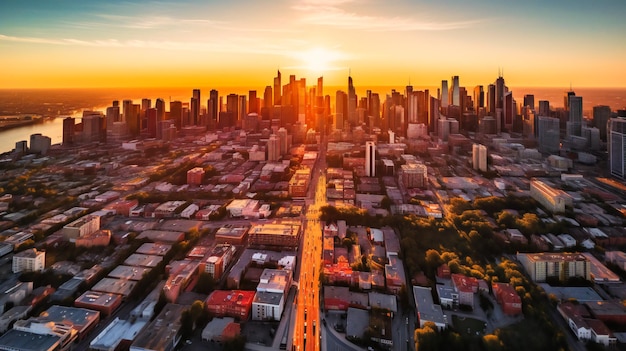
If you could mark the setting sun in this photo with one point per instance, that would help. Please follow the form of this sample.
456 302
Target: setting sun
320 60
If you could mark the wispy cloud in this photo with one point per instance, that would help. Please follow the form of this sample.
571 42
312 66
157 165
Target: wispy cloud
230 45
332 13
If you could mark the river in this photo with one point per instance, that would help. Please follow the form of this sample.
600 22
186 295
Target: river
52 128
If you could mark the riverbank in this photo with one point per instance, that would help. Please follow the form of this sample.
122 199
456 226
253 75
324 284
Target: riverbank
10 122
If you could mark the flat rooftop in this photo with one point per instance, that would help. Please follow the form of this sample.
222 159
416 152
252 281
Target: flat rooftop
129 272
140 260
115 286
158 249
22 340
97 298
115 332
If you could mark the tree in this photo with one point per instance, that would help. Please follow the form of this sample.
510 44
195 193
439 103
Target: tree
427 338
238 343
433 259
206 283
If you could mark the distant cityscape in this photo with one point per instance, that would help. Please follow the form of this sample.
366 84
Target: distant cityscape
300 218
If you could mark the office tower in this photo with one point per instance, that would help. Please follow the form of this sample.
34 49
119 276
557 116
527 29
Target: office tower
301 100
544 108
176 113
320 87
501 89
444 93
115 103
479 98
112 116
455 96
529 100
131 116
92 126
491 99
566 98
575 111
273 148
151 122
232 101
548 134
145 104
277 89
412 105
68 130
267 97
616 133
351 102
370 159
395 119
433 114
341 109
374 109
253 102
213 108
160 108
479 157
508 110
283 138
243 106
40 143
529 128
601 115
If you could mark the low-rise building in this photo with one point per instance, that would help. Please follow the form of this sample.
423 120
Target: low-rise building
230 303
104 302
427 310
275 234
508 298
561 266
29 260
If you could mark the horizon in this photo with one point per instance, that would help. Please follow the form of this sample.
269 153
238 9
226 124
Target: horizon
178 44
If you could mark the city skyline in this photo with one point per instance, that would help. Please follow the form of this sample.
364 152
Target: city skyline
155 44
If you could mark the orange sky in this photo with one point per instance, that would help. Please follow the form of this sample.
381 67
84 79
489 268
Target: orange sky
215 43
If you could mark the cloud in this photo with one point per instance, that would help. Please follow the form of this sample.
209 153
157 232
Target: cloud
241 44
329 13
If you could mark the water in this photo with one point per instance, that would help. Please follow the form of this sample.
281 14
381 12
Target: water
71 102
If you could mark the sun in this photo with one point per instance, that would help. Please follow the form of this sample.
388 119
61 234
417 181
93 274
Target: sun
319 60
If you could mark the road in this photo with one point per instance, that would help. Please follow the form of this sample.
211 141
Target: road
307 323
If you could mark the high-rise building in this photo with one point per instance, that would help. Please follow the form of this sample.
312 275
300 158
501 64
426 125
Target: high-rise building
68 130
267 97
529 100
548 134
566 98
352 99
479 157
479 98
455 96
491 100
544 108
176 113
273 148
616 132
232 105
112 116
341 109
253 102
243 106
277 89
370 159
152 121
444 93
131 116
160 108
575 120
508 109
601 115
213 107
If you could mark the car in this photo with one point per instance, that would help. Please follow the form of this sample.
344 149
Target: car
188 342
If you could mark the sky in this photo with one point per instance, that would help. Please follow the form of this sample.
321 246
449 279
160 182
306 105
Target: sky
194 43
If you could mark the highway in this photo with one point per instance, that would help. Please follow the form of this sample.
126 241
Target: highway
307 321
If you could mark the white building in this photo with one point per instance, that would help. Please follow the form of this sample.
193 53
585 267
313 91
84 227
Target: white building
29 260
370 159
616 133
479 157
83 226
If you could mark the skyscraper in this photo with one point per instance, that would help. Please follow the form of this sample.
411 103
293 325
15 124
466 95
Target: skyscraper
575 120
548 134
370 159
273 148
444 93
176 113
529 100
455 97
479 98
160 107
68 130
544 108
277 89
341 109
616 132
253 102
195 108
213 107
601 115
351 102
